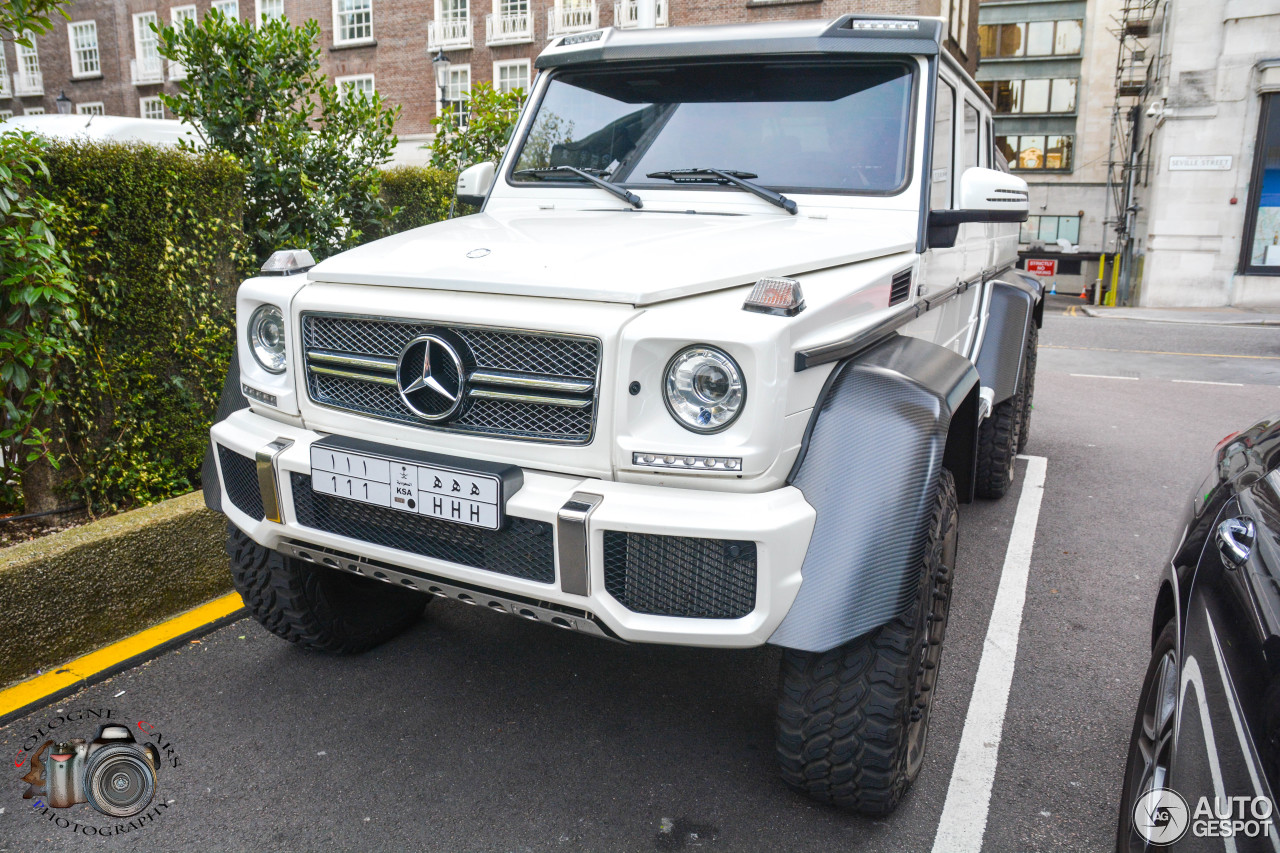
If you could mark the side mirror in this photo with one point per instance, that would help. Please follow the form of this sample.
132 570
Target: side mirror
986 195
474 183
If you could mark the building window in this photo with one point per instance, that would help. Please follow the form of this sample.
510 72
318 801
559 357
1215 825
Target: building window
357 84
1262 217
512 75
146 47
151 107
458 92
352 21
1013 97
1050 229
944 130
1037 152
94 109
957 15
230 8
84 49
28 59
270 10
1035 38
33 111
179 15
4 114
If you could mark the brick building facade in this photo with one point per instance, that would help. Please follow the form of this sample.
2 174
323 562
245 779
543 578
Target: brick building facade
104 58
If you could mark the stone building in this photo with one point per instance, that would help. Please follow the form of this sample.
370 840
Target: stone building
1206 197
1049 66
104 58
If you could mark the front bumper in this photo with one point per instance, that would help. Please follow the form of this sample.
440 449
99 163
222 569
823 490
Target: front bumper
778 522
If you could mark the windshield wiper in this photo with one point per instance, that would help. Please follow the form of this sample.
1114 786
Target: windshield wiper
727 176
621 192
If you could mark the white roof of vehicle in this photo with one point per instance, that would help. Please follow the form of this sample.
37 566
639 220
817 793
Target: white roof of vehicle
153 131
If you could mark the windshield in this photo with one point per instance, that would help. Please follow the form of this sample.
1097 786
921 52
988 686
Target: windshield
820 126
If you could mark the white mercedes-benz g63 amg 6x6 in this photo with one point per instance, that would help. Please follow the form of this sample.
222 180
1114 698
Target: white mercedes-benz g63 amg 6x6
734 331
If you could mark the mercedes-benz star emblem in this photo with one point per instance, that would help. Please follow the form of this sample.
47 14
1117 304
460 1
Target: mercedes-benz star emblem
430 378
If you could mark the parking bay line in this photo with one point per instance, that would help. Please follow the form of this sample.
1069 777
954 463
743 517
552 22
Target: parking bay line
1207 382
964 812
84 670
1101 376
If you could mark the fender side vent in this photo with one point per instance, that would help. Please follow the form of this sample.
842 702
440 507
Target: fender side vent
900 289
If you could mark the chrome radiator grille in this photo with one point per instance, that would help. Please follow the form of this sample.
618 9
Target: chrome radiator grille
523 385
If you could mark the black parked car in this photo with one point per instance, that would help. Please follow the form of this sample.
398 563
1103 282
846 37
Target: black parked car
1208 721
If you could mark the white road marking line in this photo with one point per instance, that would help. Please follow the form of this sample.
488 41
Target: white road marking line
1102 376
1207 382
964 813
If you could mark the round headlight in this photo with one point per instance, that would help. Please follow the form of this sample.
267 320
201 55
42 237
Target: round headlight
266 338
704 389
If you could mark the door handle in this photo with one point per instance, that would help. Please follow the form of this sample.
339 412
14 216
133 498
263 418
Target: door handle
1235 541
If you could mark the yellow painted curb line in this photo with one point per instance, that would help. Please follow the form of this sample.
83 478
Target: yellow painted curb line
32 690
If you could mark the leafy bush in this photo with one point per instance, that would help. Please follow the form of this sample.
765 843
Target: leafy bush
490 116
36 294
419 196
310 154
157 252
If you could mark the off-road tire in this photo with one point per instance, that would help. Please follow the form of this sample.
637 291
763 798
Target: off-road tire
1028 388
997 448
852 721
314 607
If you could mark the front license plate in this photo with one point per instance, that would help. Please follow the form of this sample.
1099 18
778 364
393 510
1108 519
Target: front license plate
452 494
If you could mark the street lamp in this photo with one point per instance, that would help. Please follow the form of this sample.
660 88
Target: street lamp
440 64
64 104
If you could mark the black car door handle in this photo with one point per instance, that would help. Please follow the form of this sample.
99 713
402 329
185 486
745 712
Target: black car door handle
1235 541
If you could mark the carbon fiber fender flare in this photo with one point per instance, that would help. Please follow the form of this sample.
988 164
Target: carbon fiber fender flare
886 424
232 400
1012 308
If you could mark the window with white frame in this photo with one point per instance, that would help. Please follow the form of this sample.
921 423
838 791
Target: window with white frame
458 92
33 111
352 21
151 107
230 8
452 17
96 108
511 75
4 72
270 10
4 114
179 15
360 85
84 49
146 44
28 57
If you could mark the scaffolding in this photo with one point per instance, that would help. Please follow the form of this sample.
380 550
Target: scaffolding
1136 71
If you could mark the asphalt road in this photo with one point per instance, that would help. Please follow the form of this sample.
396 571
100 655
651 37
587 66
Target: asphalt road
477 732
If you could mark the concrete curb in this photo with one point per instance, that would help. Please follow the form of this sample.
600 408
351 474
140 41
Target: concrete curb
81 589
1203 318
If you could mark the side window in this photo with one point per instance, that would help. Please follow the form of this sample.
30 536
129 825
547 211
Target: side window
944 134
971 157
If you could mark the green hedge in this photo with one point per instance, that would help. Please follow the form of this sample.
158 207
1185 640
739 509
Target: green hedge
421 194
157 253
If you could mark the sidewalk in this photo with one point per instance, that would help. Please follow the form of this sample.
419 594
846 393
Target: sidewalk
1199 316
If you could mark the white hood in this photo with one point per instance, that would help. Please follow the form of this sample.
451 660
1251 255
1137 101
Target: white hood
637 258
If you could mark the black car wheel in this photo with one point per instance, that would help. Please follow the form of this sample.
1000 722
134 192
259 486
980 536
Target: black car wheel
853 721
1151 745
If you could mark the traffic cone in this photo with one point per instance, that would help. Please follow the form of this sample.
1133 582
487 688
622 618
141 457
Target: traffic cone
1084 291
1053 288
